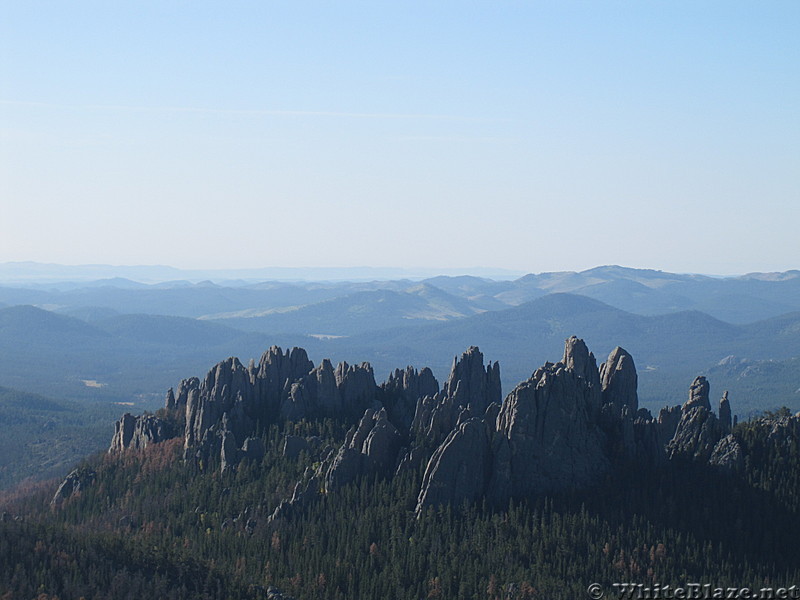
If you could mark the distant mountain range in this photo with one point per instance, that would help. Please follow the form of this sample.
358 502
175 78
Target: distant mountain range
48 273
117 340
741 299
133 339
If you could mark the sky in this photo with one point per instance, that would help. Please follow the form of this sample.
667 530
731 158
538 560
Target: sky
531 136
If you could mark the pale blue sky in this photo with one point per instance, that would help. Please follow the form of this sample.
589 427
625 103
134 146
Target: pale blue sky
533 136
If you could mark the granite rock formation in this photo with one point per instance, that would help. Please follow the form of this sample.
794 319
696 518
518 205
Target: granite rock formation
699 429
369 447
77 480
460 468
139 432
619 382
565 427
399 394
549 423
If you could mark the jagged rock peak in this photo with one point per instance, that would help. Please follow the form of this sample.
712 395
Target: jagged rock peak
292 364
725 412
580 361
139 432
578 358
554 440
401 391
357 385
470 384
619 381
186 388
328 397
698 394
699 429
169 401
412 383
372 446
226 379
667 423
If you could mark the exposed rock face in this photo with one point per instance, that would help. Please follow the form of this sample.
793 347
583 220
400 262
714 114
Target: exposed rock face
348 389
563 428
725 413
139 432
460 468
274 371
370 447
187 388
357 386
305 491
667 424
226 389
77 480
229 454
470 385
698 394
648 446
316 392
784 431
698 432
469 390
547 421
727 455
399 394
619 382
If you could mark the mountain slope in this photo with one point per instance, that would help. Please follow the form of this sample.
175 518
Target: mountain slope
356 313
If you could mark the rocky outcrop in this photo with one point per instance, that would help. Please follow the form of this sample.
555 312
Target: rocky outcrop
227 388
138 433
471 385
460 468
563 428
725 413
667 424
784 431
188 388
698 395
699 429
619 382
327 392
553 441
275 370
727 455
370 447
316 392
305 491
400 393
75 482
356 384
469 390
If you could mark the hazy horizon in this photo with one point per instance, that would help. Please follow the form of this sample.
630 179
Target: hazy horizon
533 137
15 272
